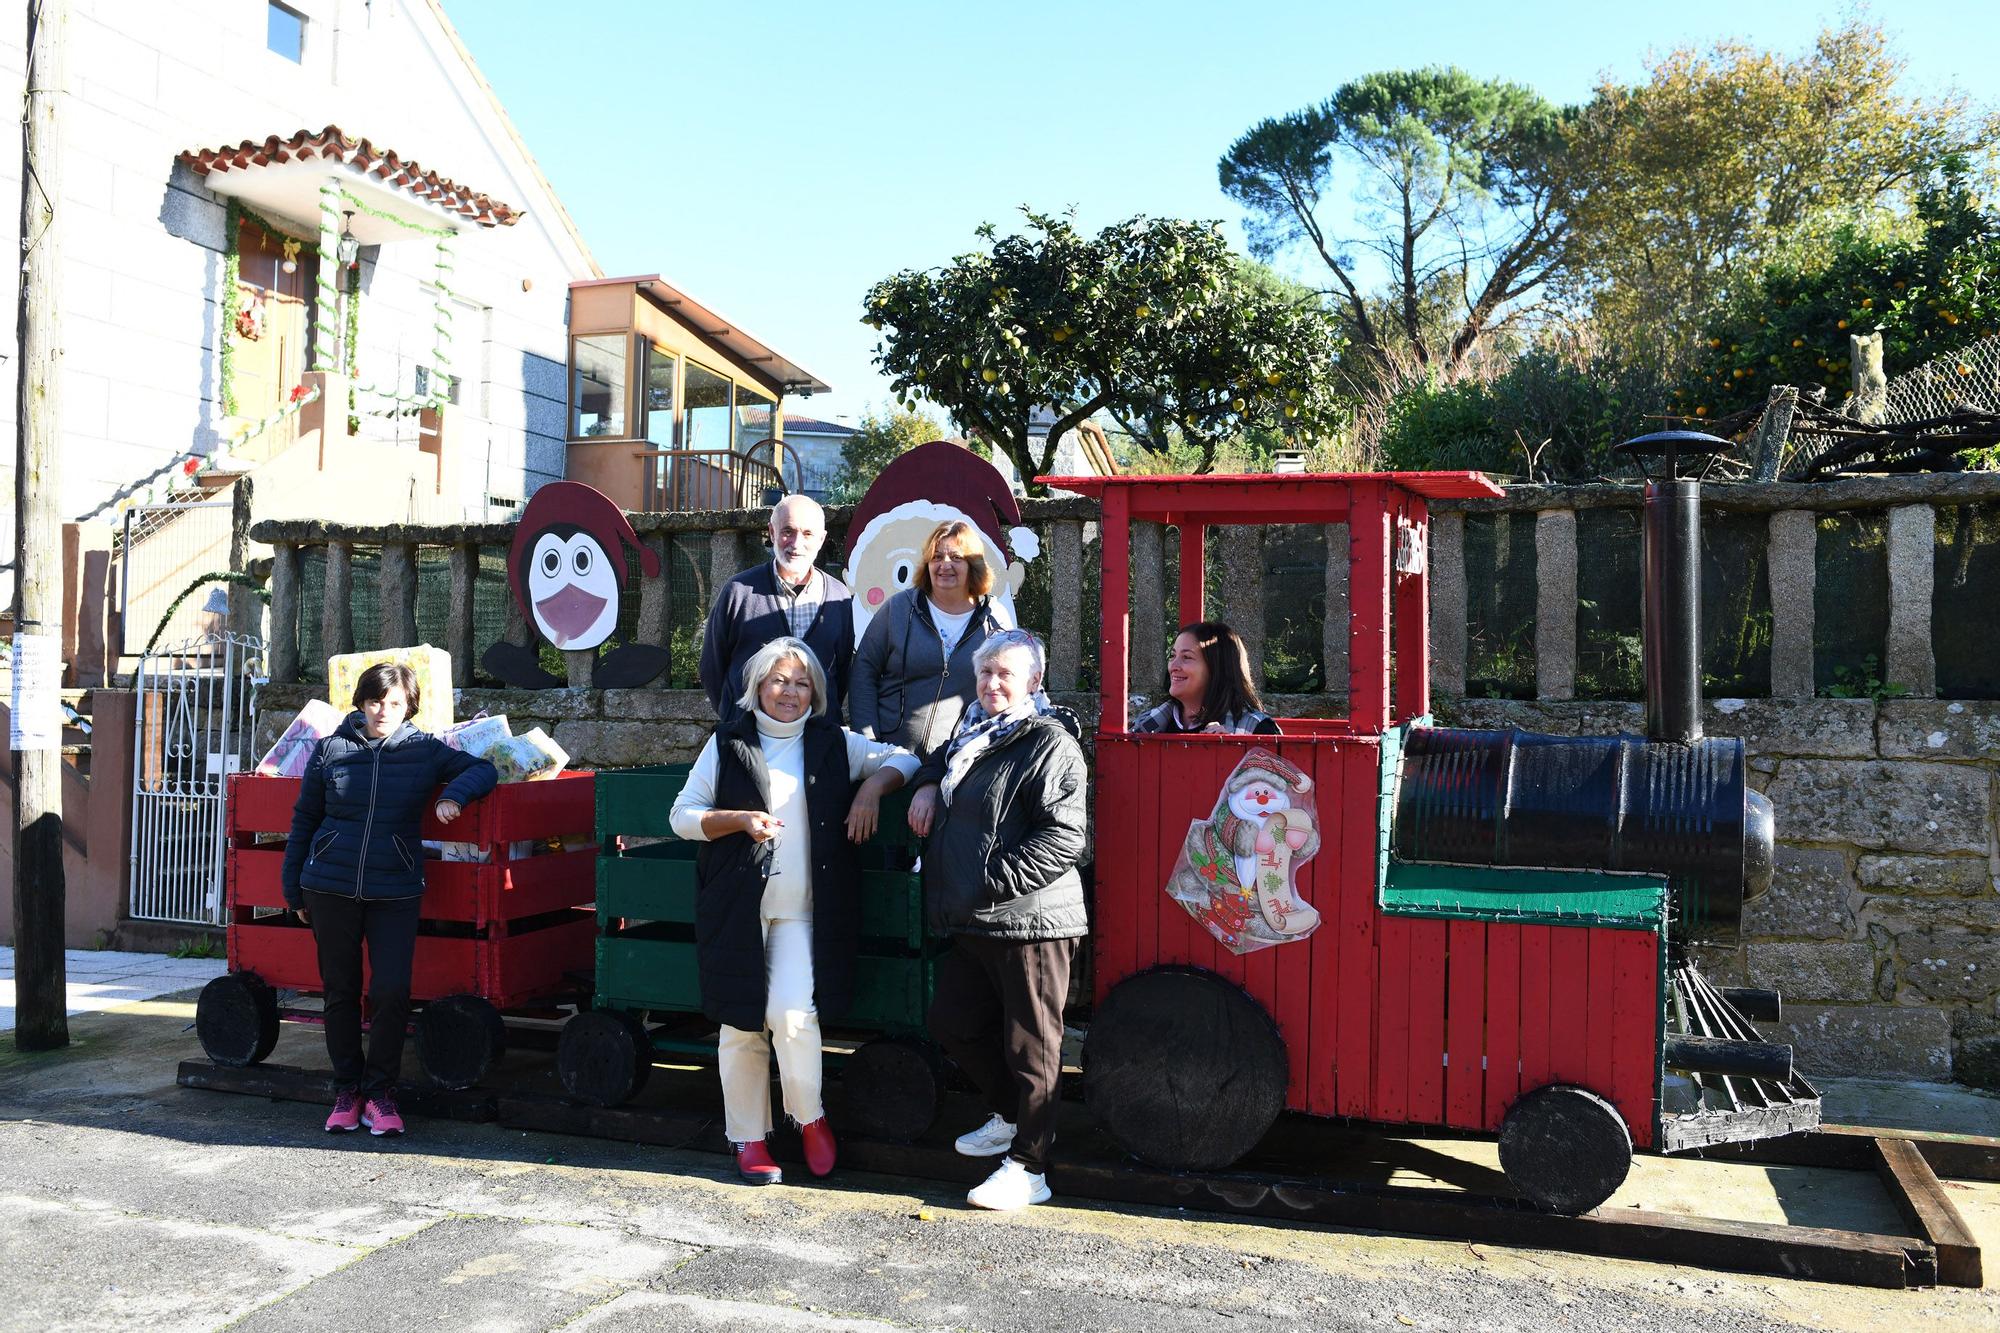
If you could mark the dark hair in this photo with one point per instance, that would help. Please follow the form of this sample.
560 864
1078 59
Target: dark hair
378 680
1229 691
978 574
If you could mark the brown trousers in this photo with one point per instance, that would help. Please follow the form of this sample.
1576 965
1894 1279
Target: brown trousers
997 1011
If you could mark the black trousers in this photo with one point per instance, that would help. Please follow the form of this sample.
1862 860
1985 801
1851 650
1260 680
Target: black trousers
997 1011
389 925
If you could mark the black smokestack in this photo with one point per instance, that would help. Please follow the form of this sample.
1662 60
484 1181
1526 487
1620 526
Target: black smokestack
1673 463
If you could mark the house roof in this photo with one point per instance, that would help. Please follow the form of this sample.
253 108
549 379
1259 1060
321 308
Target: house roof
780 371
798 425
283 175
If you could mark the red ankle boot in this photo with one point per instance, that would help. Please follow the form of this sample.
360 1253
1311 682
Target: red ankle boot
818 1140
754 1164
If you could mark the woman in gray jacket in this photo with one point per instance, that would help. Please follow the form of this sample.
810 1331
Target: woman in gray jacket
1002 807
912 674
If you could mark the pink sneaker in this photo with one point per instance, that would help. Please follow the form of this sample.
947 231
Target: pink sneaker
346 1112
381 1116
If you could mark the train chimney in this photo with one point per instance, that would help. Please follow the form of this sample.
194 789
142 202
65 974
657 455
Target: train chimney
1673 463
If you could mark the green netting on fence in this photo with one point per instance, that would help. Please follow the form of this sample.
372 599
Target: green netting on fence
1735 605
1500 597
1850 602
1294 608
1965 602
1609 573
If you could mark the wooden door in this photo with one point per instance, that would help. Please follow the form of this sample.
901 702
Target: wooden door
267 340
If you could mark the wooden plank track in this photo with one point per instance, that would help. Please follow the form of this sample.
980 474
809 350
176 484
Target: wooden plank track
1920 1197
1818 1254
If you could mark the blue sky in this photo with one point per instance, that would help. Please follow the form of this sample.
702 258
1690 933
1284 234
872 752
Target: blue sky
774 159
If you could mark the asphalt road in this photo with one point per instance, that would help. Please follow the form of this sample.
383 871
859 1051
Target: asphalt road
128 1202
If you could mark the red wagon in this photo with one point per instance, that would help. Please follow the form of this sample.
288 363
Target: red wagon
500 934
1409 965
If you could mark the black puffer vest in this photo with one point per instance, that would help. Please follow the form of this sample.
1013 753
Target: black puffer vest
728 931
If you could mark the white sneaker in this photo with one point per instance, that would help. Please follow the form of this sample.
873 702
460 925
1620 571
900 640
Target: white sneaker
1012 1186
989 1140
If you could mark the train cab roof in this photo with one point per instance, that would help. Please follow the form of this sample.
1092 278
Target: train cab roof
1295 497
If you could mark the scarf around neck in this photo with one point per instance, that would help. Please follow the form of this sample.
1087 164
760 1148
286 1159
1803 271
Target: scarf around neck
978 732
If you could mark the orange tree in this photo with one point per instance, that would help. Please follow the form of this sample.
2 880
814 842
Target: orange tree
1930 289
1150 320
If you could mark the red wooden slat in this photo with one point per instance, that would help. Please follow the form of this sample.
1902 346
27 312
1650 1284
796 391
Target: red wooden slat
1292 992
1368 610
1321 887
1465 1026
1537 1068
1600 1031
1353 838
1635 1025
1163 827
283 955
1427 991
1503 1022
1569 1004
1113 931
1153 913
1389 1093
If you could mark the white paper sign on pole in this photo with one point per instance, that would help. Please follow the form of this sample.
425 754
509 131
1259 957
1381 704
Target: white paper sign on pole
37 721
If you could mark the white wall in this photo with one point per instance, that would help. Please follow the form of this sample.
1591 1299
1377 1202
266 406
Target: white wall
143 240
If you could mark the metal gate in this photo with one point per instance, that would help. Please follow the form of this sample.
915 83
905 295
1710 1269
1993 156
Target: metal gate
162 549
197 724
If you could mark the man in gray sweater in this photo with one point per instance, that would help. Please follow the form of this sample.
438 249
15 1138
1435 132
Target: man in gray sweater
788 596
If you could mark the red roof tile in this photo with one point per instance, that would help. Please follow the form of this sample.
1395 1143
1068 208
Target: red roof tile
362 155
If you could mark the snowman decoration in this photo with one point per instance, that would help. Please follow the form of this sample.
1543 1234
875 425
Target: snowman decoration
1238 868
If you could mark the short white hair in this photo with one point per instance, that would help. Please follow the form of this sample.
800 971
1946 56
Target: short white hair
799 501
765 660
996 644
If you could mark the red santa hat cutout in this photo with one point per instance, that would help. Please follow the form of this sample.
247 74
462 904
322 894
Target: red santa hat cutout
932 484
567 563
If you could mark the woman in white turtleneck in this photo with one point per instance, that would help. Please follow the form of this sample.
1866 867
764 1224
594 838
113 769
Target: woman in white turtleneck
780 797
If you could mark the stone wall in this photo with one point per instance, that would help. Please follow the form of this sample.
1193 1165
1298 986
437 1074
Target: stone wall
1881 930
1882 927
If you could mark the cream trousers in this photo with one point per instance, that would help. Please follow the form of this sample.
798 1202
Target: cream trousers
791 1028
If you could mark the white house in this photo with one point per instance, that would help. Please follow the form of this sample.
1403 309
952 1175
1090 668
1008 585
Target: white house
210 150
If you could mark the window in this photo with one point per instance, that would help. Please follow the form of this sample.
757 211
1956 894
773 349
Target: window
756 416
705 416
597 386
658 405
285 32
426 377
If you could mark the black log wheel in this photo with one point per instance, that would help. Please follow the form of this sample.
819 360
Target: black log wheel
1183 1069
1566 1149
604 1057
459 1038
889 1088
236 1019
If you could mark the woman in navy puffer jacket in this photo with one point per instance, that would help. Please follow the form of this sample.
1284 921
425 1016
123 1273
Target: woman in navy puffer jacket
354 870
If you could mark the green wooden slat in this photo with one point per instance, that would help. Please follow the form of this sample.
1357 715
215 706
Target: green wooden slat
655 883
637 972
1526 895
636 802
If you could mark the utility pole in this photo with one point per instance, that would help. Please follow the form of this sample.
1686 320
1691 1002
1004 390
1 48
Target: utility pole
37 713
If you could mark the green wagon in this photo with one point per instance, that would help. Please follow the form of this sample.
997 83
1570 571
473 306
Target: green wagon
647 998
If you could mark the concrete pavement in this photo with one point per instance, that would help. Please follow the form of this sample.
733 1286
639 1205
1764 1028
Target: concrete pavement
126 1201
101 979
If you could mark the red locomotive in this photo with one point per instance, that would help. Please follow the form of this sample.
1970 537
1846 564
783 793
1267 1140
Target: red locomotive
1377 918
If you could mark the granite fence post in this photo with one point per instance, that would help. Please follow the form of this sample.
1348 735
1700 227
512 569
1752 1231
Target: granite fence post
1912 564
1555 604
1792 550
1448 640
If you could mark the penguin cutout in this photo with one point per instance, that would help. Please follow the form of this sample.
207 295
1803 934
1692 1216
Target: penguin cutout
567 569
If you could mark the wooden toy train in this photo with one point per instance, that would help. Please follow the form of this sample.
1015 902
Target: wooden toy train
1369 917
1475 930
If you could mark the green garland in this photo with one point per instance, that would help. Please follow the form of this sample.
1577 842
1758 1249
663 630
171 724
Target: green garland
228 576
350 358
387 216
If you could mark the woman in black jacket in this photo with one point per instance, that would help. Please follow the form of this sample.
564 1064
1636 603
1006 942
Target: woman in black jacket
354 870
1002 807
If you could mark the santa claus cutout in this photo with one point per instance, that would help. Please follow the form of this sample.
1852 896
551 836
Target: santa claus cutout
931 484
1238 869
567 570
